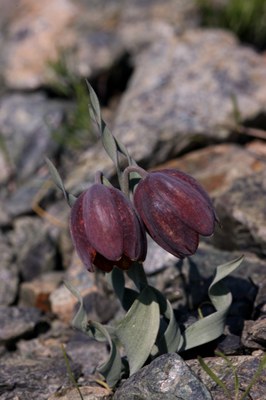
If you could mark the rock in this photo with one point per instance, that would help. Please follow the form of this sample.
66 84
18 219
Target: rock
254 334
241 209
87 392
231 345
17 322
87 352
82 175
105 30
35 251
36 292
9 273
63 303
4 217
169 377
260 302
99 302
157 258
217 166
21 200
186 282
33 39
144 23
28 378
246 367
162 111
61 300
27 124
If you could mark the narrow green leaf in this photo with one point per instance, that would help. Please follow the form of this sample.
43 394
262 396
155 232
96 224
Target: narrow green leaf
70 373
70 198
112 367
138 330
95 105
125 295
117 280
80 320
212 326
218 293
111 145
261 367
171 339
234 371
214 377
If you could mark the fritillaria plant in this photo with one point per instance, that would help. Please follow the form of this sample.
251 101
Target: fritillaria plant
108 228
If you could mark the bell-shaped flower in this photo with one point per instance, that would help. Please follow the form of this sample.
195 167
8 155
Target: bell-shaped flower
175 210
106 230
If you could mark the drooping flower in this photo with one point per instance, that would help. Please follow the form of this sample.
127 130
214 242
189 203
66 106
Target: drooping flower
175 210
106 230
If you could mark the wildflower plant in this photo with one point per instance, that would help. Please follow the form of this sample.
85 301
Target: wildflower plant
108 227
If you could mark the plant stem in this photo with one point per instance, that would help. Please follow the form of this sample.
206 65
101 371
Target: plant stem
70 373
138 275
125 179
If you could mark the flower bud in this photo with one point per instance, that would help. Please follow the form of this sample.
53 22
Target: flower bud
106 230
175 209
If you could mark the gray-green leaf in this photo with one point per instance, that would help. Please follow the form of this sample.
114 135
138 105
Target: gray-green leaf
70 198
212 326
138 330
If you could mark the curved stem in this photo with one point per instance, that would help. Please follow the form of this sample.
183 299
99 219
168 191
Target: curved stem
101 179
98 177
126 177
137 274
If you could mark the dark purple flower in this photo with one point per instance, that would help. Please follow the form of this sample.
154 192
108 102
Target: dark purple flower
106 230
175 210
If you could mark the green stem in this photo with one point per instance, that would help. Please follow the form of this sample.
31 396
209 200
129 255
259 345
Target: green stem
70 373
125 179
137 274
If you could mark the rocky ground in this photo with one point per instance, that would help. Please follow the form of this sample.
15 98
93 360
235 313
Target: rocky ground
176 95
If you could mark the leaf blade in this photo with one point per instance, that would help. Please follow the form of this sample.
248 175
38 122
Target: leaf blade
211 327
138 330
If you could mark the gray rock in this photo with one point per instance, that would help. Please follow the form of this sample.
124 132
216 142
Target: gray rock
186 282
145 22
32 40
21 200
82 175
9 273
99 302
157 258
177 87
254 334
36 292
35 251
87 352
17 322
168 377
241 210
217 166
87 392
260 303
85 28
34 378
246 367
27 123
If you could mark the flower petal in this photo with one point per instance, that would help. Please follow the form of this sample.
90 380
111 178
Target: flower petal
186 201
101 221
77 230
134 238
164 227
